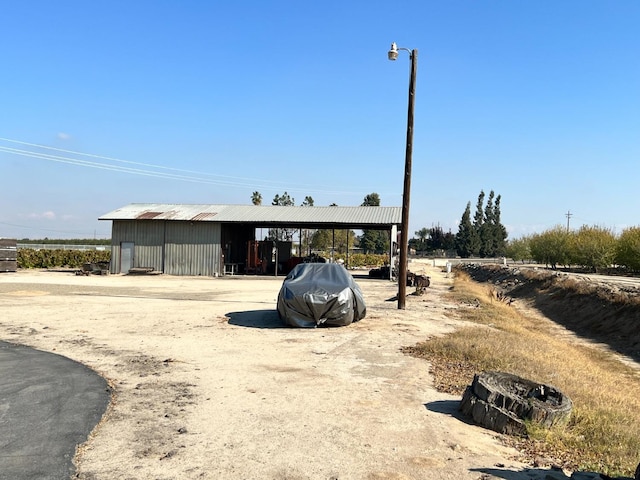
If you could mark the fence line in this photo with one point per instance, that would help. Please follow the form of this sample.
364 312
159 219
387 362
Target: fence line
53 246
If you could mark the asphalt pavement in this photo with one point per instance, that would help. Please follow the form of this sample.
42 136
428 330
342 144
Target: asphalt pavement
48 405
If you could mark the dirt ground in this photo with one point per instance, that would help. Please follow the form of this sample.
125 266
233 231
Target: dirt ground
208 384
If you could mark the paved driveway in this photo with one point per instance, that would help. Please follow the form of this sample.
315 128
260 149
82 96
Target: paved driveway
48 405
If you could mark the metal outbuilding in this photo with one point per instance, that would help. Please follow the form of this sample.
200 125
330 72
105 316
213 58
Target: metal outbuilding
209 240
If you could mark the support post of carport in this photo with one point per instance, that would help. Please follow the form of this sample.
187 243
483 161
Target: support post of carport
393 234
300 244
346 260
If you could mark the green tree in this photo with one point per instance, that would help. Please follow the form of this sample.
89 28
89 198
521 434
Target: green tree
592 247
421 243
449 241
282 234
284 200
487 229
436 239
325 240
487 236
628 249
551 247
500 231
256 198
467 241
518 249
478 217
371 200
373 241
306 233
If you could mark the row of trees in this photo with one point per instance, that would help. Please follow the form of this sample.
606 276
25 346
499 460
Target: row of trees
322 239
432 240
590 247
485 236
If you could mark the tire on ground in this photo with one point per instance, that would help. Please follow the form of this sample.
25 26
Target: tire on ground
503 402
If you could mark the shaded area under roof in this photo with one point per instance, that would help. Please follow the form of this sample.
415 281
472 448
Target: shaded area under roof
263 215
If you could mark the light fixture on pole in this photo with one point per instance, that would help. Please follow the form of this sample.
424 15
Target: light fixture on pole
406 191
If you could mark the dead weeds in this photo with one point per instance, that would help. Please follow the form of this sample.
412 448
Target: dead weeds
604 431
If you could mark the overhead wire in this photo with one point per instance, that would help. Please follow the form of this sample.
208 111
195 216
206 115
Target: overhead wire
151 169
75 232
113 159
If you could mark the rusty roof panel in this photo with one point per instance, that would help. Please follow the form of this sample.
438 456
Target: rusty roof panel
148 215
203 216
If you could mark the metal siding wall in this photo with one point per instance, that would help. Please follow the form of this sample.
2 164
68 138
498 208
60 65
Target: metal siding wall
147 237
118 231
192 248
149 245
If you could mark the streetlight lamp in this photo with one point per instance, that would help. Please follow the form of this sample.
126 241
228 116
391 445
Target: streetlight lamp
406 192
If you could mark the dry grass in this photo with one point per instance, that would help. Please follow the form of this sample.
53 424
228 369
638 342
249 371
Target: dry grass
604 432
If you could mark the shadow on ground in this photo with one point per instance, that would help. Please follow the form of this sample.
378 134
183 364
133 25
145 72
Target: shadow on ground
256 319
448 407
538 474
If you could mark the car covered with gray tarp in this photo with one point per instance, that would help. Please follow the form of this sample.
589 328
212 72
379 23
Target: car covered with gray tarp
315 294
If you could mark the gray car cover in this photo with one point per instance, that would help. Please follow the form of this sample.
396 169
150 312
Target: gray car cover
315 294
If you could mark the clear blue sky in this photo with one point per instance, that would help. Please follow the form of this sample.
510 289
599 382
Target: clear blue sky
206 102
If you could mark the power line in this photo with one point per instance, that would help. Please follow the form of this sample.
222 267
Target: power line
194 176
116 168
150 173
102 157
52 230
568 215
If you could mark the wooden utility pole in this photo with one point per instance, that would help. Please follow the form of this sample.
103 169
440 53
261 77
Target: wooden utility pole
406 191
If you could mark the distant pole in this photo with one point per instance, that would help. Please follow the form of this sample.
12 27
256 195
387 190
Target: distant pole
568 215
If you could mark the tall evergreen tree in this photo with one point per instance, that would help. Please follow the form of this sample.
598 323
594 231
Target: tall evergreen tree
466 238
500 230
478 220
486 236
487 229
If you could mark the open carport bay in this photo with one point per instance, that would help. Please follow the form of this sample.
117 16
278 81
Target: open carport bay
210 384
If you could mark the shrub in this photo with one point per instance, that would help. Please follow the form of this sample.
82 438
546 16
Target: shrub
628 249
28 258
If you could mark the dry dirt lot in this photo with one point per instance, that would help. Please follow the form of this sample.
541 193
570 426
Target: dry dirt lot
209 385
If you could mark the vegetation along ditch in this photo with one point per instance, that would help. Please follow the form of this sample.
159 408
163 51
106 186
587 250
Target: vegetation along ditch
558 330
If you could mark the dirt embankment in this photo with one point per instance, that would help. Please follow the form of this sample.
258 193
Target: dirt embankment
597 308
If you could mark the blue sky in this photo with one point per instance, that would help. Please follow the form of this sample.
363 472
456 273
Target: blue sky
210 101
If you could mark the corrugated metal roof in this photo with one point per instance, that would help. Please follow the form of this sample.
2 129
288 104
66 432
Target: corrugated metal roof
148 215
259 214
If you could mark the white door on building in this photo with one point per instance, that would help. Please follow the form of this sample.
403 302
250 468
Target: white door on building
126 256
